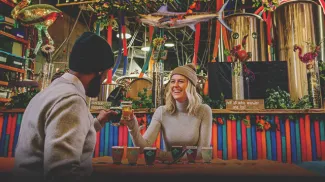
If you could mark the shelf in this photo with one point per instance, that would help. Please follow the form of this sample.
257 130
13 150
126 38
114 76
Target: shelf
8 3
3 83
12 55
220 111
14 37
4 100
11 68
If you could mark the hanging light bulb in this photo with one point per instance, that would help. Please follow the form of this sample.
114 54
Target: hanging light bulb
169 44
127 34
145 46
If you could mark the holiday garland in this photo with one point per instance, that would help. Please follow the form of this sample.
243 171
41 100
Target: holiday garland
104 9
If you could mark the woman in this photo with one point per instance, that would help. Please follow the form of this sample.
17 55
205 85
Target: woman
184 120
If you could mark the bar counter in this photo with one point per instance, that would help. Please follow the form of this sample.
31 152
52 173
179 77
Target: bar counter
217 167
105 169
295 135
214 111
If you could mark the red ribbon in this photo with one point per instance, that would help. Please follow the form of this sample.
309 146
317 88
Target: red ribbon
125 51
197 42
259 10
109 40
269 27
218 28
197 36
151 29
109 34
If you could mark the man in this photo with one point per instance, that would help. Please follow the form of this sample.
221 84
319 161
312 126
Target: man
58 133
58 74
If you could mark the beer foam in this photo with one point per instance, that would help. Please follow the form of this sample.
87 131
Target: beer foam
177 146
117 147
206 147
150 148
191 147
133 147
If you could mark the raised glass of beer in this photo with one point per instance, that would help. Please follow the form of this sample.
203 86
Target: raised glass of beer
126 110
115 120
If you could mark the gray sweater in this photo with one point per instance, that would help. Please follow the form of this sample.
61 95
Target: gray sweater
58 133
177 129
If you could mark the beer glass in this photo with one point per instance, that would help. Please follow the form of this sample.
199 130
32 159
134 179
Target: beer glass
126 110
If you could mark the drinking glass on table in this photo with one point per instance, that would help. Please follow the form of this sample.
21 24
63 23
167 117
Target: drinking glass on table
150 155
126 110
117 154
191 152
206 154
132 155
176 152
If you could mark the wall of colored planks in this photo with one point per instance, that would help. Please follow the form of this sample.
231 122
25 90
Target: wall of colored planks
293 141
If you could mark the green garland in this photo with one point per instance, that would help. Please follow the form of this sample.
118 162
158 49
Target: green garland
143 101
322 77
214 104
269 5
104 9
21 100
280 99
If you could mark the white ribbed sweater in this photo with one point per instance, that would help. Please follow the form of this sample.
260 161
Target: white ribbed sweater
177 129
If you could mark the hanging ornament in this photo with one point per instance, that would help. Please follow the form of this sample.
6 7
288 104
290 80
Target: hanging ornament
39 16
48 49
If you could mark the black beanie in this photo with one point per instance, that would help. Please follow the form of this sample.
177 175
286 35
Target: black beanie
90 54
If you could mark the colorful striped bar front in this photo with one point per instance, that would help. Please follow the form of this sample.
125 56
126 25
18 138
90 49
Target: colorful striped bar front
290 141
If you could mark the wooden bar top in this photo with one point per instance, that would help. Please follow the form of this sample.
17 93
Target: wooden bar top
103 166
217 167
214 111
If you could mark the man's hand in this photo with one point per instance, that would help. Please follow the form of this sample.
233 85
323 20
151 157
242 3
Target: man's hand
105 116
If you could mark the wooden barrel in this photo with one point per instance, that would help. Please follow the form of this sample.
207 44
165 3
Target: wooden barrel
138 85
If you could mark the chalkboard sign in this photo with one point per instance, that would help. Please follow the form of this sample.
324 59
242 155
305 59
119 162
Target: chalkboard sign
249 104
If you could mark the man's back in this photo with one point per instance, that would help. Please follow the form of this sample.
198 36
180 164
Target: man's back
41 118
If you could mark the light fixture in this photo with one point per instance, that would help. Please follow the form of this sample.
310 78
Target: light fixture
169 44
145 46
127 34
145 49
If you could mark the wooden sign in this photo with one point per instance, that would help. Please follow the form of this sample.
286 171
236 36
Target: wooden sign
162 57
99 105
249 104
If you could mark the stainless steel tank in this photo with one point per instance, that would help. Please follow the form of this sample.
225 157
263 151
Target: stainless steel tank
299 23
255 27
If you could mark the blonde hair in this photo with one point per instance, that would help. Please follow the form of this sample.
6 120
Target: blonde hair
193 97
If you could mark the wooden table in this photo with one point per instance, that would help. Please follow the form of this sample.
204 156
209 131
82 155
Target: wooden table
105 169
